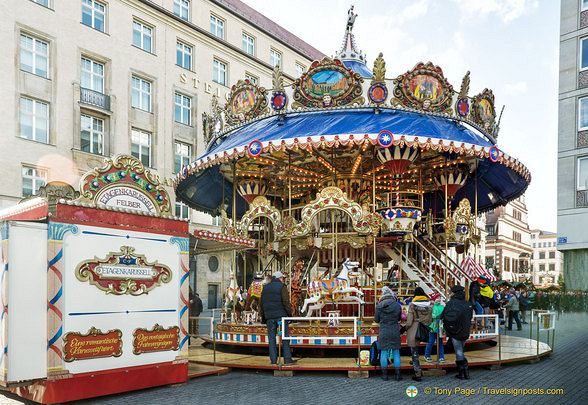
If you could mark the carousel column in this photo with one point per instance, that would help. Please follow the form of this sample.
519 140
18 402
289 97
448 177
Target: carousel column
184 304
4 301
56 234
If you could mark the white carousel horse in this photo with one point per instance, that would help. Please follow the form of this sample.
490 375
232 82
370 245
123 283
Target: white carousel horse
336 288
232 292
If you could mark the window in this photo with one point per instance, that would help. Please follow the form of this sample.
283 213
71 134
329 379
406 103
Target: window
251 78
141 94
92 75
551 266
299 70
584 4
93 14
44 3
248 44
217 27
490 230
275 58
516 236
541 255
219 72
34 55
92 136
583 115
32 180
142 36
541 267
583 173
552 254
534 244
182 210
34 120
507 264
217 221
182 155
184 55
182 9
141 146
182 108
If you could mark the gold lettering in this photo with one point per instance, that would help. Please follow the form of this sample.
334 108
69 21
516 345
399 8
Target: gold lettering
207 88
196 82
183 78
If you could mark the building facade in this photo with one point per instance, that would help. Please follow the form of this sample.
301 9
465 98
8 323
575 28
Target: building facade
546 260
508 241
572 193
90 79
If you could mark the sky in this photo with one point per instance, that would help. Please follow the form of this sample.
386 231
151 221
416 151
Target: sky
509 46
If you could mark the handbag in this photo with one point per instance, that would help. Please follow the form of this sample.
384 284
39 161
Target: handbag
422 333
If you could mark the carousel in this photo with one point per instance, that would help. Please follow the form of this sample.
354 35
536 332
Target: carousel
347 180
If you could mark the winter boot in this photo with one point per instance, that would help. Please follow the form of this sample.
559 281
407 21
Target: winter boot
418 375
466 370
460 369
385 374
397 375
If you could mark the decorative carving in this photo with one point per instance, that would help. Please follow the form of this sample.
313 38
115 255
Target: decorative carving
424 87
327 83
483 112
465 86
125 183
123 273
332 198
260 207
277 79
246 101
379 73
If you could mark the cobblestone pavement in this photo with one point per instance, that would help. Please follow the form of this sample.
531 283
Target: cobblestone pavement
564 369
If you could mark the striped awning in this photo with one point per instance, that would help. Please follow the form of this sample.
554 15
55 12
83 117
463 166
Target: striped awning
474 270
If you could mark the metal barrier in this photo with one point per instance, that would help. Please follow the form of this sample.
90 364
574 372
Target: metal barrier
545 322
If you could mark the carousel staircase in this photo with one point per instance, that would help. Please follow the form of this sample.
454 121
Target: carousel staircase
427 263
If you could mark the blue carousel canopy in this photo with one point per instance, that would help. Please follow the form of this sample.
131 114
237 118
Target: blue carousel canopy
497 182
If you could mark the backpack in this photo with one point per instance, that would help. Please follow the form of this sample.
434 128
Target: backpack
374 354
451 320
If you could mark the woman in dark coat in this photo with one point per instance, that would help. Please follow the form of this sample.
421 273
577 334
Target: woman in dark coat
457 319
388 314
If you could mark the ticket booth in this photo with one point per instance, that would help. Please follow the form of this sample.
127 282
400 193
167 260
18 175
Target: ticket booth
94 290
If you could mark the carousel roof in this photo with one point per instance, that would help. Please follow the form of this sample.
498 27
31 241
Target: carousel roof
336 121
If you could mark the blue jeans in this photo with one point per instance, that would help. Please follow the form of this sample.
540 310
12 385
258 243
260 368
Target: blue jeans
458 347
478 308
384 358
272 329
429 348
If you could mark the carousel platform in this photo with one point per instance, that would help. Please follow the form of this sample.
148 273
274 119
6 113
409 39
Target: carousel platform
200 370
510 349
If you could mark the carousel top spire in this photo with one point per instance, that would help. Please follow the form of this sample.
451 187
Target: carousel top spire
349 54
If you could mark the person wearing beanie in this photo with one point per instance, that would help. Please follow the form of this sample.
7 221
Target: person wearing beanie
419 311
434 329
275 304
457 321
388 314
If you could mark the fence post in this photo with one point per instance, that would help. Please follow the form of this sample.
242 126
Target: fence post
213 341
280 341
538 318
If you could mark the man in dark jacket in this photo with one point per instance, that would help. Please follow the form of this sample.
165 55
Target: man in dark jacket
457 320
275 304
388 314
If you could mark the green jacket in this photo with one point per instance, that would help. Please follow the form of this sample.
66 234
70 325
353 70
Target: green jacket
437 309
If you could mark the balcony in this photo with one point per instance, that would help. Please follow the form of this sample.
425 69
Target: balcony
95 98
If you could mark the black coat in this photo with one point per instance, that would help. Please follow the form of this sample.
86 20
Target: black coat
465 309
275 302
388 313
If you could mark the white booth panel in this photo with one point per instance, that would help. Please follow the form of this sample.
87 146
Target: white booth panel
27 301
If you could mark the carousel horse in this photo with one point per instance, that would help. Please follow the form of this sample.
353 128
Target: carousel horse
336 288
254 294
295 286
233 292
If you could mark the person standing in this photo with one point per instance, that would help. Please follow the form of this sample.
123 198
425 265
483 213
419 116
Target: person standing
419 310
513 311
195 311
523 305
275 304
434 330
457 321
388 314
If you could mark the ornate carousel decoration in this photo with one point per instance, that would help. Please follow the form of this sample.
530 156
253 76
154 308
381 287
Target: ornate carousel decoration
246 101
483 112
